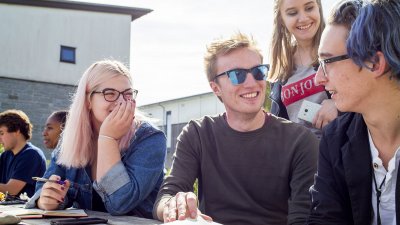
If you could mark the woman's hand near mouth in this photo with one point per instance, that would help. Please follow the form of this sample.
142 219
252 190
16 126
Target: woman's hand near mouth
120 120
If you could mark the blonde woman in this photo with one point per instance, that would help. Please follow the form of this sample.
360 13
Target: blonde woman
109 160
298 25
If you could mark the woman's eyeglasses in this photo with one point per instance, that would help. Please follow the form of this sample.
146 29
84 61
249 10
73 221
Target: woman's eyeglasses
238 76
111 95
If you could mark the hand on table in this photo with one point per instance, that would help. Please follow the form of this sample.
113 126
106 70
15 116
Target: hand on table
183 205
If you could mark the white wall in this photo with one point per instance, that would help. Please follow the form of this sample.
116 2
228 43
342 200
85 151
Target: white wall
31 37
185 109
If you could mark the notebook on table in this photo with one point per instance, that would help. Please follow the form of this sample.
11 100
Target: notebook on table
39 213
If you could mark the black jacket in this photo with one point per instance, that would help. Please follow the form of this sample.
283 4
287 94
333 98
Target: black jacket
342 189
277 106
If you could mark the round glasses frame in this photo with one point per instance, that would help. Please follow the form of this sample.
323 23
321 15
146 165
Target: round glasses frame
110 94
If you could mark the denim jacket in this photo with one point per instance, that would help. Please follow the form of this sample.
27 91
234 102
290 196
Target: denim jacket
129 188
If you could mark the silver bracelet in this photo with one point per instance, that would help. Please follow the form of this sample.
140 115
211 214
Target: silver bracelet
108 137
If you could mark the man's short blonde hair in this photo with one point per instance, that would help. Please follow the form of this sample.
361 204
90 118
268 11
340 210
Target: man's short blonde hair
224 46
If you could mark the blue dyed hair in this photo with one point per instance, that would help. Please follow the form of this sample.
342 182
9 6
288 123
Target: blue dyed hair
377 28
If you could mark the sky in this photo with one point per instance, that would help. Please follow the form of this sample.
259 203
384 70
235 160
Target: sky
168 44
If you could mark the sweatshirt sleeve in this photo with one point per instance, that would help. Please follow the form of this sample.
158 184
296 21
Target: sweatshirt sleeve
185 166
304 166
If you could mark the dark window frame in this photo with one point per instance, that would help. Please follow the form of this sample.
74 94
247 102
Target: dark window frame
168 128
67 48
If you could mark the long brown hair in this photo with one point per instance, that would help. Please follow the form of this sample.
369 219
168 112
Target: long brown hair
283 45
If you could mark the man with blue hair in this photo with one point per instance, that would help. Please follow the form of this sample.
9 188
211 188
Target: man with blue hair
358 176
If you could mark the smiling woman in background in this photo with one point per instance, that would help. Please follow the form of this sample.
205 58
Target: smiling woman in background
298 25
55 124
111 159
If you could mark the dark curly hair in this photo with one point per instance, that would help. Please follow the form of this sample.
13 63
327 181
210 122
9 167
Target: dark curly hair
16 120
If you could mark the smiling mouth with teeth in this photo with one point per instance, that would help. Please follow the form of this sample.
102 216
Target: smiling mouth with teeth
304 27
250 95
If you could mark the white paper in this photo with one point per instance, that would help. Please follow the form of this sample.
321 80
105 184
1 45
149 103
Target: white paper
189 221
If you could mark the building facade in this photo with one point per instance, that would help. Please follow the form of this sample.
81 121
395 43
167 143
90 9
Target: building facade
172 115
47 44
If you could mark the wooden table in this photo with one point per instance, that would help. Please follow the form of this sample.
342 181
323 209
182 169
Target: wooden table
112 220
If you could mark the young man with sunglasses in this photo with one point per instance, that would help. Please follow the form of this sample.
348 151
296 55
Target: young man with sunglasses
358 176
252 167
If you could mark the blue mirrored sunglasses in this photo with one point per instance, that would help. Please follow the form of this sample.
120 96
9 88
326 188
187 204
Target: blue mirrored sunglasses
238 76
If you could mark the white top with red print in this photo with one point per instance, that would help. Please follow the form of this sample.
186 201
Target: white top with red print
301 86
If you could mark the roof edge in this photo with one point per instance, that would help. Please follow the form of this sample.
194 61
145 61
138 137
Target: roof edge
134 12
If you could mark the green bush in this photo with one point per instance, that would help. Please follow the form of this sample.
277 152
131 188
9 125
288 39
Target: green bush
267 103
1 148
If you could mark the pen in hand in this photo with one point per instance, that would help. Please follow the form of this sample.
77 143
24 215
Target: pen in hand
41 179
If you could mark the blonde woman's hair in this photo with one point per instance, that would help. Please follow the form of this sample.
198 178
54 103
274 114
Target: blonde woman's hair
79 139
283 45
225 46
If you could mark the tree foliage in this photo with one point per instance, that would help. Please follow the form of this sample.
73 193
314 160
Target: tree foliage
267 103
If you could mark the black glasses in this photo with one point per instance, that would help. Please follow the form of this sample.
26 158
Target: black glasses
323 62
111 95
238 76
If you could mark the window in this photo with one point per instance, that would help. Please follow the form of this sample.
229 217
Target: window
67 54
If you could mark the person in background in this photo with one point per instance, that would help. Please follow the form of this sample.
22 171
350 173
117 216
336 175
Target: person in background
21 160
248 170
358 168
297 29
55 124
110 159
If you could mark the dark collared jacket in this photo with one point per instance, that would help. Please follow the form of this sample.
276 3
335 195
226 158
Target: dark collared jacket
277 106
342 189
